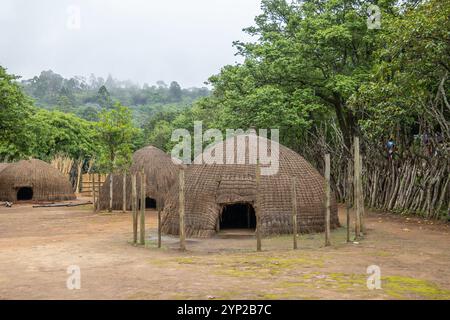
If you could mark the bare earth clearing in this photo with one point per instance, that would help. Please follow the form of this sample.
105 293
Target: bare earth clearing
38 244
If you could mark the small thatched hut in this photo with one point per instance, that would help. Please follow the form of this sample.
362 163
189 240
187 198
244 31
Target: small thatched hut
33 180
222 196
161 173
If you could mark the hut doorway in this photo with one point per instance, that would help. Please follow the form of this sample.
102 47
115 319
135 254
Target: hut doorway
24 194
150 203
238 216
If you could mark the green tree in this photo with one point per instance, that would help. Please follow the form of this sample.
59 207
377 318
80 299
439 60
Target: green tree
55 132
104 98
15 111
175 92
116 133
409 87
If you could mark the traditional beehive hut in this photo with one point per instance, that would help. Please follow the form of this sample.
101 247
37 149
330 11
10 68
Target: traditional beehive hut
219 196
33 180
160 171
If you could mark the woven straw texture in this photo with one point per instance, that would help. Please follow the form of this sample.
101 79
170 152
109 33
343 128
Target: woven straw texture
3 166
160 171
208 187
48 183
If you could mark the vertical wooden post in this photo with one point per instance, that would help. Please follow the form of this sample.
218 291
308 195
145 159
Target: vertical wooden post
110 192
349 196
134 207
79 169
142 224
258 207
124 192
98 191
361 198
92 182
159 206
294 211
327 199
356 201
181 205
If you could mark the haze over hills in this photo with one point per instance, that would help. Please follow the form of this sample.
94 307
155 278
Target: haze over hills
86 96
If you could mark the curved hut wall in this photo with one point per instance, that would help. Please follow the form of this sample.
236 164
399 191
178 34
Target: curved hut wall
45 182
161 173
3 166
209 188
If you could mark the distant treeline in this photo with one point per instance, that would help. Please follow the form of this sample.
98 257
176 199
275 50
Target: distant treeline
86 97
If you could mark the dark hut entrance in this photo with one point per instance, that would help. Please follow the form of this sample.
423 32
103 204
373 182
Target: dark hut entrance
238 216
150 203
24 194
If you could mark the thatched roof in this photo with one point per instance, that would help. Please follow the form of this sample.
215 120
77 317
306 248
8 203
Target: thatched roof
209 187
47 183
3 166
160 172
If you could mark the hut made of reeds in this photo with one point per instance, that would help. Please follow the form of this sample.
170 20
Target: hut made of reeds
223 196
3 166
161 173
34 180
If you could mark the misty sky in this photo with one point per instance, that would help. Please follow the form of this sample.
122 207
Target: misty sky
139 40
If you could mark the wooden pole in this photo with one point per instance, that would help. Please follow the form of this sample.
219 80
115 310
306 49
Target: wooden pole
98 190
124 192
110 192
134 207
361 198
356 201
294 212
143 192
258 207
92 181
349 196
79 168
159 206
181 204
327 199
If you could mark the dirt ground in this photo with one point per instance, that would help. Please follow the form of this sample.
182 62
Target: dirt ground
37 245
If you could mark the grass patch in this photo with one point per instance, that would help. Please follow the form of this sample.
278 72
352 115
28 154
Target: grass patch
407 287
264 266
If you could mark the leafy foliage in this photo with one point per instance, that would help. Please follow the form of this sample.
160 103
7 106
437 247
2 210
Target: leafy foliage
15 111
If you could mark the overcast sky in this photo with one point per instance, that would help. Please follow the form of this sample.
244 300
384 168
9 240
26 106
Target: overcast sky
139 40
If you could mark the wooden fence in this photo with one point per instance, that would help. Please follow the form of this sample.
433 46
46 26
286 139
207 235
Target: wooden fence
86 183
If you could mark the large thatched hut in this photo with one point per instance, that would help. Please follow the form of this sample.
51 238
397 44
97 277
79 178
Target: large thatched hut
222 196
160 172
33 180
